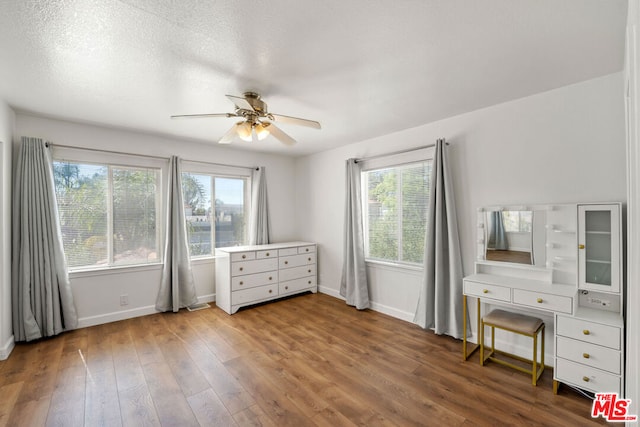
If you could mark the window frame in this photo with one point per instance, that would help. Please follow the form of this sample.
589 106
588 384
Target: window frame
220 171
404 159
120 161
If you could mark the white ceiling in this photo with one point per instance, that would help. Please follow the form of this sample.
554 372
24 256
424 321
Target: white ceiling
363 68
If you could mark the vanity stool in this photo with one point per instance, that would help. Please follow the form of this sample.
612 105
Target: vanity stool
519 324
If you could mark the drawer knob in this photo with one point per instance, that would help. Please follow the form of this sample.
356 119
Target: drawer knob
286 262
308 271
270 278
485 291
307 249
585 379
241 283
586 332
539 300
585 355
580 246
241 268
244 256
309 282
286 287
270 290
267 253
308 259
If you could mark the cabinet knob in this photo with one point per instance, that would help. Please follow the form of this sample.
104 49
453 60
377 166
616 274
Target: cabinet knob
308 271
286 287
244 256
539 300
585 379
270 278
308 259
309 282
270 290
241 268
581 246
485 291
585 355
286 262
267 254
241 283
307 249
586 332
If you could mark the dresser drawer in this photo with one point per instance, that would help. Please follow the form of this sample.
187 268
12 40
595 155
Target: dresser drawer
254 294
266 254
287 251
583 330
296 285
256 266
253 280
306 249
555 303
243 256
586 377
297 272
483 290
297 260
592 355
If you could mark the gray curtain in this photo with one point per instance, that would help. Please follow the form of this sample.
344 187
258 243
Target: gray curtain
497 238
440 302
40 289
177 288
259 220
354 286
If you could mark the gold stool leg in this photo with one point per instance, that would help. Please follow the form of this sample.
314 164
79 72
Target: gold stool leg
534 369
481 334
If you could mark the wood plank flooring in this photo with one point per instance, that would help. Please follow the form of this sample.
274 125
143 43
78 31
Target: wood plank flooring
309 360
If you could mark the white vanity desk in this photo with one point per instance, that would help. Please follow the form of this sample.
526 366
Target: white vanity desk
574 275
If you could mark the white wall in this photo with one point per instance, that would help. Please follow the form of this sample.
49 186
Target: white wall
561 146
97 294
7 118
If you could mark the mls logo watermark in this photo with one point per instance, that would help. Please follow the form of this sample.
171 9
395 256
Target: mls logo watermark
611 408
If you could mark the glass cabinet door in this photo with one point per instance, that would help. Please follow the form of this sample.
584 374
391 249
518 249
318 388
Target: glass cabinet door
599 247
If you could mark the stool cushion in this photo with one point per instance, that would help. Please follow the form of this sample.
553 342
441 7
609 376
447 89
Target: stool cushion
516 322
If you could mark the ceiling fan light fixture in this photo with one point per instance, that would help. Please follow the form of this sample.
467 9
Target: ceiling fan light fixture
262 130
244 130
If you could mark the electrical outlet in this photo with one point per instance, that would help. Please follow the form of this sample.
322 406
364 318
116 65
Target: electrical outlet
124 299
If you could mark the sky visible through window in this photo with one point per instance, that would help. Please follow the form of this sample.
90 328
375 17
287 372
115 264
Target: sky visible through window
229 190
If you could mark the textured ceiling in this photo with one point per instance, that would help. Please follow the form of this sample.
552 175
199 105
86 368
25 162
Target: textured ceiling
363 68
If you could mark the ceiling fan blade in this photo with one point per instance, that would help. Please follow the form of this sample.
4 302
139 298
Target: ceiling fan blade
229 136
280 135
197 116
240 102
296 121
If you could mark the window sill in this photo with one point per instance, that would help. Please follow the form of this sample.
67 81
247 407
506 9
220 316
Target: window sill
121 269
393 265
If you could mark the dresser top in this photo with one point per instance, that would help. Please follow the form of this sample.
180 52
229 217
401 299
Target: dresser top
270 246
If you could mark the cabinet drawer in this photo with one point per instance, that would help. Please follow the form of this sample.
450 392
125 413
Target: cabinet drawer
306 249
256 266
297 285
483 290
287 251
583 330
266 254
297 260
593 355
586 377
254 294
243 256
556 303
253 280
297 272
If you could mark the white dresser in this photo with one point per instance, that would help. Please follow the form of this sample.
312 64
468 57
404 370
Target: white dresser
247 275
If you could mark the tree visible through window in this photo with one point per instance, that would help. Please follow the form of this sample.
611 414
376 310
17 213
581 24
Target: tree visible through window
227 213
108 214
396 202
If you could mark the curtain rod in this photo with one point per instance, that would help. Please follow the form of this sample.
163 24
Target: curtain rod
393 153
49 144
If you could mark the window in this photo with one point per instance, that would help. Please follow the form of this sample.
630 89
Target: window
108 214
517 221
214 200
396 200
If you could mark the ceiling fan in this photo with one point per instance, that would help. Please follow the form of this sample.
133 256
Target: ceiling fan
257 123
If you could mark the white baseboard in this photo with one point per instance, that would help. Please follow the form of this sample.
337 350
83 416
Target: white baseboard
100 319
381 308
7 348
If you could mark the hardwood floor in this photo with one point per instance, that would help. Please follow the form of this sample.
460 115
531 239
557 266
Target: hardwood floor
308 360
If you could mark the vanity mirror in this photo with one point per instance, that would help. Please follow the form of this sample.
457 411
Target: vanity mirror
513 235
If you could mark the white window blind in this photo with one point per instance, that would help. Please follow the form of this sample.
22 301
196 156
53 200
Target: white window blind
396 201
